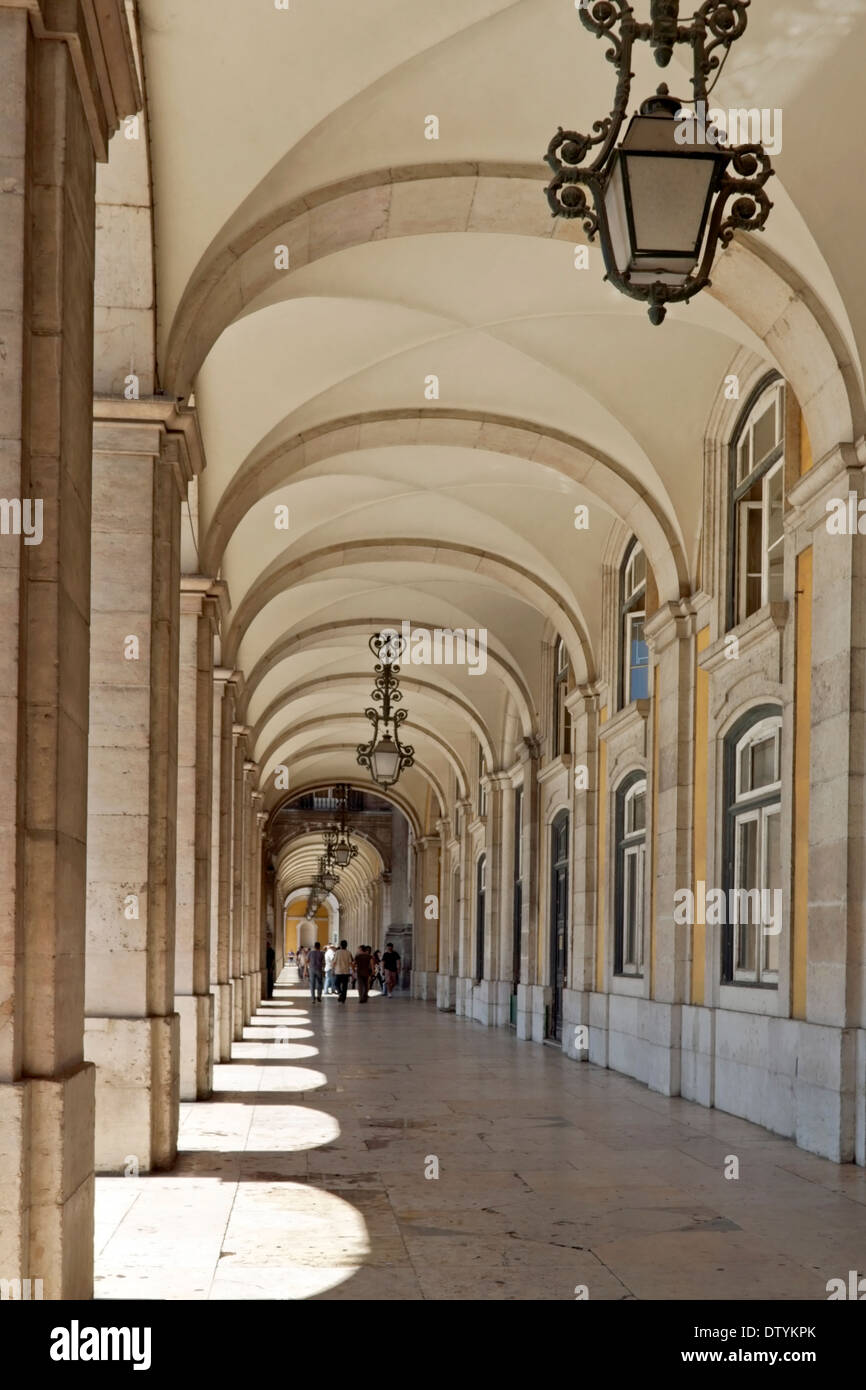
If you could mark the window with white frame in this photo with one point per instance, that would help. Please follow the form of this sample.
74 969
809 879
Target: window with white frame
634 652
753 859
630 907
758 505
561 716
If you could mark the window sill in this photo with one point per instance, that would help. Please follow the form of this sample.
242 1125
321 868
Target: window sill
751 999
555 768
766 625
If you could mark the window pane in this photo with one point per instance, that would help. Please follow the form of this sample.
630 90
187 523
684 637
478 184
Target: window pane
636 576
743 458
764 433
762 763
746 879
773 881
636 813
630 907
775 536
638 684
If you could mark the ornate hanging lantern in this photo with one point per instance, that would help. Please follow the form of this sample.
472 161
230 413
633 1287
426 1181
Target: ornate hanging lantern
384 755
673 192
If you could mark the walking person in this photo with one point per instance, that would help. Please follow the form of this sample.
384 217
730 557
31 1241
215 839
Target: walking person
363 970
330 987
391 962
270 962
317 972
342 970
377 970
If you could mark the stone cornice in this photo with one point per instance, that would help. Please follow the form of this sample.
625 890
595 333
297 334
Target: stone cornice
672 622
97 37
120 427
625 720
836 474
768 622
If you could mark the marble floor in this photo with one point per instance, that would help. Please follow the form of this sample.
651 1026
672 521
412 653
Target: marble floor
311 1174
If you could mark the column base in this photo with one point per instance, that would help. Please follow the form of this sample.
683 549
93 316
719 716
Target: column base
237 987
137 1091
532 1005
46 1197
446 992
222 1022
485 1001
196 1045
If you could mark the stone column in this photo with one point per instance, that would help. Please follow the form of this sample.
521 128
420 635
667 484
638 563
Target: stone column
829 1086
54 122
426 919
530 991
444 987
224 695
496 988
193 998
144 455
584 707
670 633
239 836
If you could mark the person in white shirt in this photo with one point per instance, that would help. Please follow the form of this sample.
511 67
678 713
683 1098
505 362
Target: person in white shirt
330 987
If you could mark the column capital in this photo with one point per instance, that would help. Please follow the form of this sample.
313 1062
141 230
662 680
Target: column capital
156 425
530 748
674 622
101 55
224 675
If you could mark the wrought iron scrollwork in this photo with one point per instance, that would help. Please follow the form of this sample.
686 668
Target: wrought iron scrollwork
578 186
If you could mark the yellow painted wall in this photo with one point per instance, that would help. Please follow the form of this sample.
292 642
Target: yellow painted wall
699 810
600 867
294 919
802 736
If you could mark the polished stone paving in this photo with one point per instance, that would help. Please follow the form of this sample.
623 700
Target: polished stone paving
305 1177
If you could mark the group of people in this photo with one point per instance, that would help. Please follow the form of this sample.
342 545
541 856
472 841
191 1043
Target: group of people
330 971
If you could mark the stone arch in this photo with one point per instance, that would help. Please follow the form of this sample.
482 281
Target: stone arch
285 737
398 428
756 284
292 572
306 640
397 800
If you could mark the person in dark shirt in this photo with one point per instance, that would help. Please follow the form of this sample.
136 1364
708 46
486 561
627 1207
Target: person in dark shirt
363 971
317 972
270 961
391 963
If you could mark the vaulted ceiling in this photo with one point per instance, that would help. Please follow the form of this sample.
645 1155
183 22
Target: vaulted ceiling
411 258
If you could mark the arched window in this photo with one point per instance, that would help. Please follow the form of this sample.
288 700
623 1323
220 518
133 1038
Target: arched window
480 895
629 899
561 716
758 504
753 860
634 652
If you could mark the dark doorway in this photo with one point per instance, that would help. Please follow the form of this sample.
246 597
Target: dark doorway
558 919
